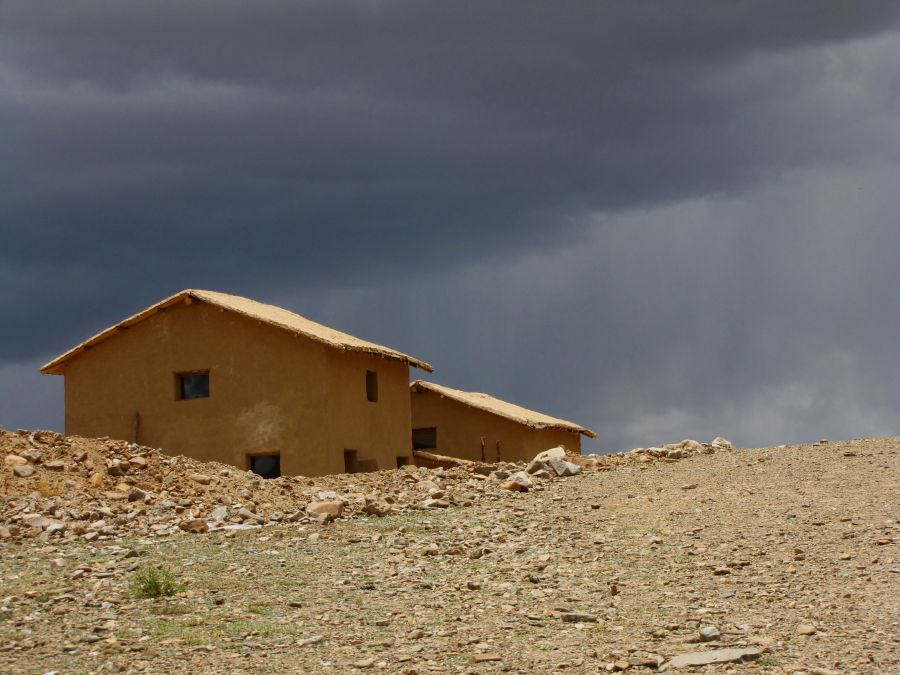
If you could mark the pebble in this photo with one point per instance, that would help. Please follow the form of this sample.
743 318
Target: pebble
709 633
578 617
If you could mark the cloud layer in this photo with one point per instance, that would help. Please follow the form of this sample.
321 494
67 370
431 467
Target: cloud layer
659 220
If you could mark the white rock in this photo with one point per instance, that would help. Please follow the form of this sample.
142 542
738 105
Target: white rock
564 468
553 453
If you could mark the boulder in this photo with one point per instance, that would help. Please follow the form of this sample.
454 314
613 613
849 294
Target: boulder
201 478
563 468
536 465
375 506
713 656
553 453
721 443
330 510
116 468
194 526
435 504
14 460
247 514
219 514
138 462
517 482
36 521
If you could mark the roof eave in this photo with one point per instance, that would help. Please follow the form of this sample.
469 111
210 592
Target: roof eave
422 385
57 365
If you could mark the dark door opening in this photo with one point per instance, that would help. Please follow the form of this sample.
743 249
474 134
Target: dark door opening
350 461
402 461
424 438
267 466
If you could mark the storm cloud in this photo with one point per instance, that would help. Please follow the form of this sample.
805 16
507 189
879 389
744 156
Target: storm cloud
658 219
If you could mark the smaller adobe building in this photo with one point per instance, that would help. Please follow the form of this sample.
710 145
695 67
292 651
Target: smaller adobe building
479 427
219 377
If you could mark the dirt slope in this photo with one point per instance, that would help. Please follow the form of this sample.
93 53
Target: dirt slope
790 551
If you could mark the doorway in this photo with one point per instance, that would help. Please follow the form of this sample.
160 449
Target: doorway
351 461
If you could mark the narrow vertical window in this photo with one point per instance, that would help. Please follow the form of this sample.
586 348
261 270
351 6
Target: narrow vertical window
372 386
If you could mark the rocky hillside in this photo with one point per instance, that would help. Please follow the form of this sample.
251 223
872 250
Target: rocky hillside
690 556
61 488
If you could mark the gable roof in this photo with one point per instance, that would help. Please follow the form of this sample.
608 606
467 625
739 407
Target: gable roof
270 314
496 406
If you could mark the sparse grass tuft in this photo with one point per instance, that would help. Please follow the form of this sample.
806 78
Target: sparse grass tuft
768 660
48 489
154 582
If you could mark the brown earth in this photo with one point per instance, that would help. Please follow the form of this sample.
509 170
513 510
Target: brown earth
789 551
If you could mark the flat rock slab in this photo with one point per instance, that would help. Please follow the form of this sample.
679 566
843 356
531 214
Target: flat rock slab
713 656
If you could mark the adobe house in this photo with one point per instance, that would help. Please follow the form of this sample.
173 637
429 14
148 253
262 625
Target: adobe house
475 426
220 377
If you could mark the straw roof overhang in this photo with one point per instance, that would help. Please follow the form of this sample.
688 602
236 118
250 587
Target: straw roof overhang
268 314
511 411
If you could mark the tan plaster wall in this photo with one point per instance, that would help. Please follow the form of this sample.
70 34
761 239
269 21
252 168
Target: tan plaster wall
270 391
460 428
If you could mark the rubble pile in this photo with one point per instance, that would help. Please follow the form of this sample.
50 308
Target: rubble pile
67 487
671 452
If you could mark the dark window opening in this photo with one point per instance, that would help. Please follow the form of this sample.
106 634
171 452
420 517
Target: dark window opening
402 461
372 386
267 466
350 463
424 438
192 385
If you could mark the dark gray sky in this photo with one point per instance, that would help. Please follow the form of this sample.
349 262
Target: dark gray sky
658 219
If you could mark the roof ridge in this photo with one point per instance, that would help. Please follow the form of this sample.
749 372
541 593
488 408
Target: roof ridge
271 314
497 406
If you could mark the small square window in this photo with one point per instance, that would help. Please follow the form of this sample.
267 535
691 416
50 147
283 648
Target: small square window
267 466
192 385
372 386
424 438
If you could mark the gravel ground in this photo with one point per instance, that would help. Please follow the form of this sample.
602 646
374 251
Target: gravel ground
790 550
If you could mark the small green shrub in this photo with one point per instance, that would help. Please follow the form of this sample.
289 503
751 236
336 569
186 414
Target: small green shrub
154 582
